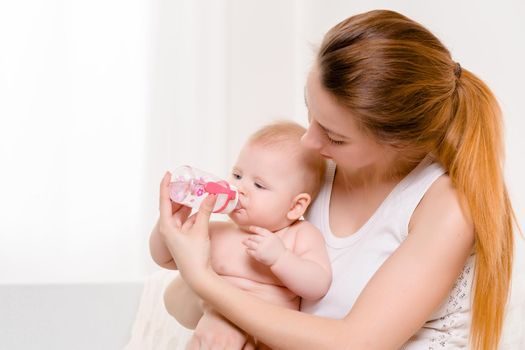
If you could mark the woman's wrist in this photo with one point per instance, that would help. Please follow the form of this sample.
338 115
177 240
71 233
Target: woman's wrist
201 281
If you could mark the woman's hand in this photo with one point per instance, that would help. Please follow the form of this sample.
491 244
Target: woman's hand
186 236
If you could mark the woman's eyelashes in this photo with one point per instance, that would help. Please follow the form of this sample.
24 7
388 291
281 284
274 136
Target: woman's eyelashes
335 142
327 134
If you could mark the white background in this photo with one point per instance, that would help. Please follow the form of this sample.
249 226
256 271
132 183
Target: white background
99 98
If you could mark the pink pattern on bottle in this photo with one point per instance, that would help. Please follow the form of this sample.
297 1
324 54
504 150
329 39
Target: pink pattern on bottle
197 188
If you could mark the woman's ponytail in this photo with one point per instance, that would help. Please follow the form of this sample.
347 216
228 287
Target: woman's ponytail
472 152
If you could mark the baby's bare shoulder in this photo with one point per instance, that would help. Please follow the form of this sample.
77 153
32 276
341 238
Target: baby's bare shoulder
306 235
304 227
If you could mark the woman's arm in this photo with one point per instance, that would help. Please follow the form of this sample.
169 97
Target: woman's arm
402 294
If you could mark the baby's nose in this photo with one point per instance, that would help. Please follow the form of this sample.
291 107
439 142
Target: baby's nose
241 190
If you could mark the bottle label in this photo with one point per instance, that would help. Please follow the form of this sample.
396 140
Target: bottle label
191 191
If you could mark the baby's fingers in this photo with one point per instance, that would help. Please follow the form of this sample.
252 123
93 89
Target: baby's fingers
260 231
252 253
250 244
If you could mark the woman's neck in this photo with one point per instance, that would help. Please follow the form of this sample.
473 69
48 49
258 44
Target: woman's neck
376 174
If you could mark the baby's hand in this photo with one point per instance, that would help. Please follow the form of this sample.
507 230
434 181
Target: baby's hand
264 246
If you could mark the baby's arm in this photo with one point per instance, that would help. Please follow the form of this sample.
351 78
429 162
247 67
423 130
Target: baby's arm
305 270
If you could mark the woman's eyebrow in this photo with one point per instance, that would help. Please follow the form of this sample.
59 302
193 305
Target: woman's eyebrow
328 131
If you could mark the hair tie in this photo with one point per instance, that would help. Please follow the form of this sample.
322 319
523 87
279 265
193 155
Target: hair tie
457 70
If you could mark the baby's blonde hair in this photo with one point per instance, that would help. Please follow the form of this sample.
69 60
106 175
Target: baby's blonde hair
286 135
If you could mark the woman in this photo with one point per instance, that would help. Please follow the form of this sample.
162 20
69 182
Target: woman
414 209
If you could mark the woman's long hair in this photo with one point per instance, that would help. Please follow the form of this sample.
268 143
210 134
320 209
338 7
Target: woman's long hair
402 85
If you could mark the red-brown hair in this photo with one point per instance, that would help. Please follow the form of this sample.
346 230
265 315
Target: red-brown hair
402 85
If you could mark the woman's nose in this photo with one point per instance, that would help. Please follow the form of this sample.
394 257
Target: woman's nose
311 140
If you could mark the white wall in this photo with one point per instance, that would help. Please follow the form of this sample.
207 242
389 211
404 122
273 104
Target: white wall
74 96
99 98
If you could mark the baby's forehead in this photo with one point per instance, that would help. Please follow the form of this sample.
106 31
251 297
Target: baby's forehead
278 151
284 159
272 143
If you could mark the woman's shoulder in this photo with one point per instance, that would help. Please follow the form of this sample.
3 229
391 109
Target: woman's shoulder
442 208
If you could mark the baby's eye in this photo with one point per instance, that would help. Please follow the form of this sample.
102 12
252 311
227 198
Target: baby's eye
236 176
259 186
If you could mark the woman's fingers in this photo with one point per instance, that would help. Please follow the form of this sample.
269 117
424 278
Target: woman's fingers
176 206
201 218
164 197
249 345
181 215
167 207
187 224
204 213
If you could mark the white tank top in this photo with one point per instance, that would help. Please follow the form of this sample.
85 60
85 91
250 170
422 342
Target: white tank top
357 257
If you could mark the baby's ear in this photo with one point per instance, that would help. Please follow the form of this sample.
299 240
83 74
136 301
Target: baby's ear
299 205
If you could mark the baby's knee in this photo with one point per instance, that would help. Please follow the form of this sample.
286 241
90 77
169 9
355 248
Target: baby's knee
220 341
168 298
182 304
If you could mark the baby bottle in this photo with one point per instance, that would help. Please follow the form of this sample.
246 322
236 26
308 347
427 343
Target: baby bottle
189 186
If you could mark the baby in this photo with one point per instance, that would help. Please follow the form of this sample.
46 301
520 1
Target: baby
283 258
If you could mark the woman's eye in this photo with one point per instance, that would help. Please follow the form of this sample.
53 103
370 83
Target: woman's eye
259 186
335 142
331 140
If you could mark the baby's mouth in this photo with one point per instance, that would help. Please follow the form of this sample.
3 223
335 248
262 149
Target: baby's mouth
238 206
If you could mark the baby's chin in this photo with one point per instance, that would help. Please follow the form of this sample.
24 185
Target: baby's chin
243 221
240 219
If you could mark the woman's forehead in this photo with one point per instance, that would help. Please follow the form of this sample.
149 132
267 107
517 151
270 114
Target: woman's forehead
324 108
